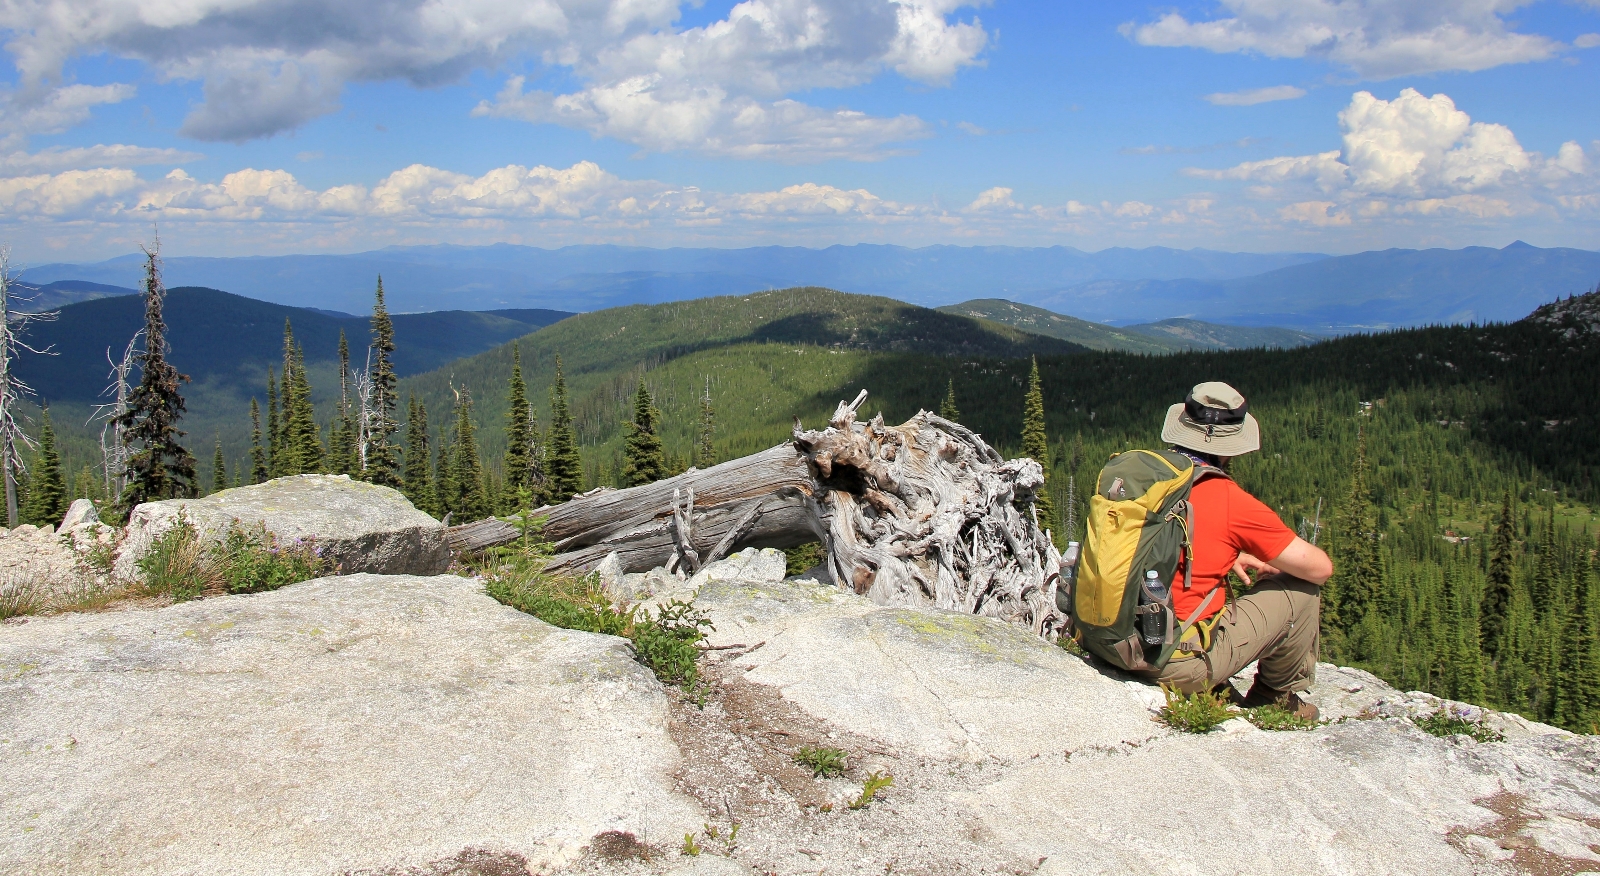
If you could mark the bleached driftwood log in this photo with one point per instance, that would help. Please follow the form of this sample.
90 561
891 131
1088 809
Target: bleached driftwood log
925 513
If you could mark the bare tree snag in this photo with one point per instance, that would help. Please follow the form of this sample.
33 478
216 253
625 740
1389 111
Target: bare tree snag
925 513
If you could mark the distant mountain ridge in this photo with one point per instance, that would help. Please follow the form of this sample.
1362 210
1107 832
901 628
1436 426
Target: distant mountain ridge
585 278
1302 291
1363 292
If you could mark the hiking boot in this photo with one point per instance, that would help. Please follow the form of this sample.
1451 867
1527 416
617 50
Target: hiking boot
1228 694
1289 701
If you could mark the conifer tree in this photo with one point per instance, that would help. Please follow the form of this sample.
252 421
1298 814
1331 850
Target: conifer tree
1463 659
259 471
383 463
219 470
1546 584
1577 687
468 499
644 461
1500 585
563 466
947 408
159 466
342 457
418 482
47 488
1036 447
1358 561
443 479
88 486
519 438
274 444
705 451
301 438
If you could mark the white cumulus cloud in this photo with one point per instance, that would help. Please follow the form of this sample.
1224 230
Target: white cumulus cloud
1378 39
726 88
1416 155
723 89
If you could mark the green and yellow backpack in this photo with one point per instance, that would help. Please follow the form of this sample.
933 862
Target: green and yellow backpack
1139 520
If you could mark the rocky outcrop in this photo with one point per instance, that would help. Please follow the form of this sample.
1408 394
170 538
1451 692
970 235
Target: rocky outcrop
411 725
366 722
360 527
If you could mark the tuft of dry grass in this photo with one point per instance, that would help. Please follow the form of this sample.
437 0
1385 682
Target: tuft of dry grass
19 596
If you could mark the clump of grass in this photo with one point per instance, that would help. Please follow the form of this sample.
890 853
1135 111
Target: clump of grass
183 564
1449 722
823 762
1194 713
19 596
870 788
178 564
1275 717
666 640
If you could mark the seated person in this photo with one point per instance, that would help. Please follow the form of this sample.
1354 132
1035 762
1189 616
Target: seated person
1275 621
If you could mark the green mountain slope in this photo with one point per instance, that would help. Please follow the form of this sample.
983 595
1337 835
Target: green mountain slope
603 352
225 343
1197 335
1166 336
1044 322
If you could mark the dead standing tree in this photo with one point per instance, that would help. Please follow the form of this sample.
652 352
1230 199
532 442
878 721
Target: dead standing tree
925 513
12 390
113 447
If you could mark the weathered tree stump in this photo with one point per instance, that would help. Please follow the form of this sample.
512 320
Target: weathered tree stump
925 513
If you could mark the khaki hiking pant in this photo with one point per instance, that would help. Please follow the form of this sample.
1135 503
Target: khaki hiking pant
1277 622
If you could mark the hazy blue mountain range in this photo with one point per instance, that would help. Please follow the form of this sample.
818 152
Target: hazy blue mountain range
1166 336
49 296
595 277
1370 290
1304 291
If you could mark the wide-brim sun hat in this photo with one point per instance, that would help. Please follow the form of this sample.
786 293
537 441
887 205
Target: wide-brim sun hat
1213 419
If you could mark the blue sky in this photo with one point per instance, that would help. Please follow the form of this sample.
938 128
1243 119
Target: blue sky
267 126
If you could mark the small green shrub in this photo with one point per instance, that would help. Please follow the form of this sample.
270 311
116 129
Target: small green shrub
1070 645
178 564
690 847
1194 713
253 561
823 762
1449 722
667 640
803 558
1276 717
870 788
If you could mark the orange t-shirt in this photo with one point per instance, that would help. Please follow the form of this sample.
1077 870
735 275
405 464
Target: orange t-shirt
1227 520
